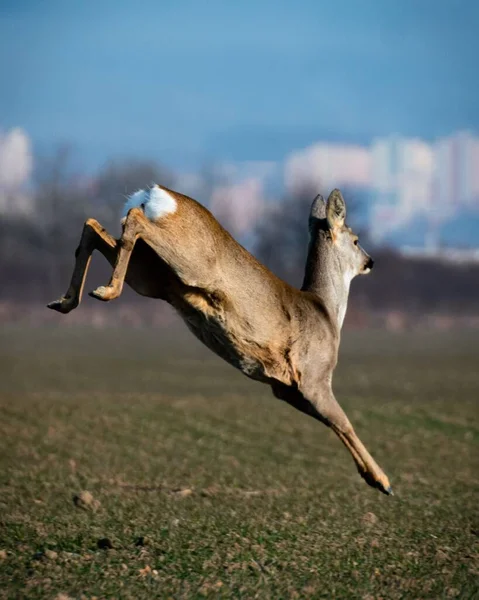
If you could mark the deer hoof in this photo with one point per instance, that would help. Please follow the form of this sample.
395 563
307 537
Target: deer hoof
375 482
64 305
103 293
383 488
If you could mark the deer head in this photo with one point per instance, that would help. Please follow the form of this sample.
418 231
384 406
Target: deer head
335 256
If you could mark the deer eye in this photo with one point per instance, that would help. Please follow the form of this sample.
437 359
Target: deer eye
355 242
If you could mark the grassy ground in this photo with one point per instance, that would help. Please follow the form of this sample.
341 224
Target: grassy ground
203 484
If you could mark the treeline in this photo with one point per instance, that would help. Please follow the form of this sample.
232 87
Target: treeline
36 249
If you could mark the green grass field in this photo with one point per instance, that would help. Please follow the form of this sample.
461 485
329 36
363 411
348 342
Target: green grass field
205 485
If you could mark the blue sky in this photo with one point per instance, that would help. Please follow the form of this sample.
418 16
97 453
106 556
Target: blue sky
189 81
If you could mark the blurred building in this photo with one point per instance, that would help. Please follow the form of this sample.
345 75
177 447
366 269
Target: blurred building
456 172
401 182
16 164
324 166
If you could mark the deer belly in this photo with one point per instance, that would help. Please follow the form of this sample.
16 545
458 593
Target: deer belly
248 362
229 341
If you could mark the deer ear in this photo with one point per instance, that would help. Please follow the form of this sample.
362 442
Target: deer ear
318 210
336 210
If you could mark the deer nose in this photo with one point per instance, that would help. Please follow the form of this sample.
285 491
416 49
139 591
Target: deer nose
370 263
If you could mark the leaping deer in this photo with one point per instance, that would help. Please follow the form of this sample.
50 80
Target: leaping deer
174 249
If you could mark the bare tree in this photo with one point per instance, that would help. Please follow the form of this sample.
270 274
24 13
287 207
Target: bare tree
36 250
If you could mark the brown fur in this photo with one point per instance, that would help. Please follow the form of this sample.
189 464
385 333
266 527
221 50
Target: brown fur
272 332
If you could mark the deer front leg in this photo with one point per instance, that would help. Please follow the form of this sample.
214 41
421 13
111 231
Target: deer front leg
322 405
94 237
326 408
132 229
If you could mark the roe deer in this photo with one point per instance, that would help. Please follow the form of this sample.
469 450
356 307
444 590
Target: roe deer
174 249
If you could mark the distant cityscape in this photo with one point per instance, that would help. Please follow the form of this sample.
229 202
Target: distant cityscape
417 196
422 194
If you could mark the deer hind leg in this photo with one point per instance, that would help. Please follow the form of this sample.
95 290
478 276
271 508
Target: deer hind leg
94 237
322 405
133 228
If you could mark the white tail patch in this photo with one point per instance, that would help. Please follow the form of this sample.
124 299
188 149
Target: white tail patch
155 202
134 201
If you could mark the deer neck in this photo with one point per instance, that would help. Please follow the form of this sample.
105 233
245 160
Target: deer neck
325 278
